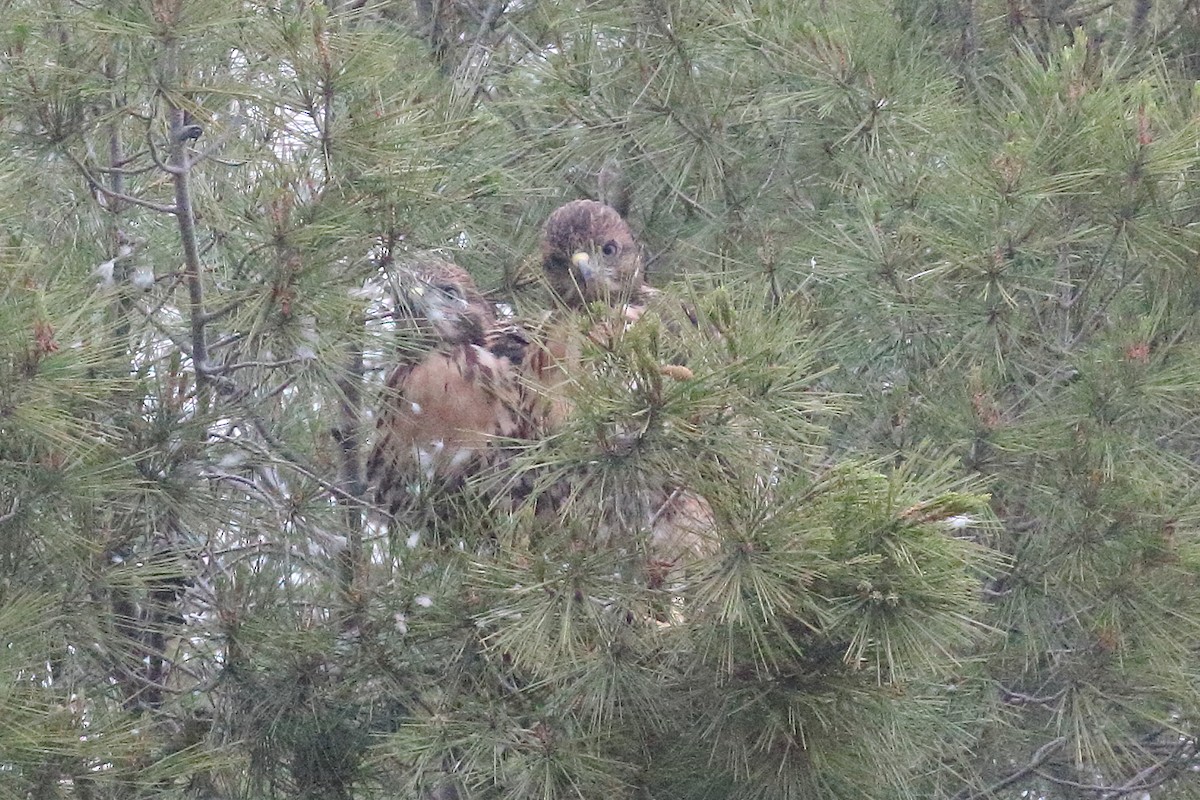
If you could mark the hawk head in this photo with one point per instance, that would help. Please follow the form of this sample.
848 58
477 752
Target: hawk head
444 296
589 254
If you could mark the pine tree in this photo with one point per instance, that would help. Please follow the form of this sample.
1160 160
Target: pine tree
939 397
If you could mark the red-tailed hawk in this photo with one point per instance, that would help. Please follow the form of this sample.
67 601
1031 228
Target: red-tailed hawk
470 384
589 255
451 400
593 267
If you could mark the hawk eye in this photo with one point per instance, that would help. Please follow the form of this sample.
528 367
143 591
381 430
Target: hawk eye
450 290
609 249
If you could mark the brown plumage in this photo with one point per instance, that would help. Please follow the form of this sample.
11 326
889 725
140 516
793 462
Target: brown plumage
593 266
471 384
450 401
589 255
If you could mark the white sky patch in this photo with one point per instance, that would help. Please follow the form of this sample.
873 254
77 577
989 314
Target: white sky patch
104 271
306 350
142 278
233 460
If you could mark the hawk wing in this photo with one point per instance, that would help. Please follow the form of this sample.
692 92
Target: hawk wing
442 419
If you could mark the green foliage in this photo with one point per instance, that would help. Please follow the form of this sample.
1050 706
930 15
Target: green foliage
939 395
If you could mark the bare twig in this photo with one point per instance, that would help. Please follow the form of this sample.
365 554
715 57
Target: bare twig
172 169
99 186
1022 699
1145 779
1040 757
126 173
225 369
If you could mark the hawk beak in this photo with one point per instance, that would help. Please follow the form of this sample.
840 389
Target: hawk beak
583 262
413 290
